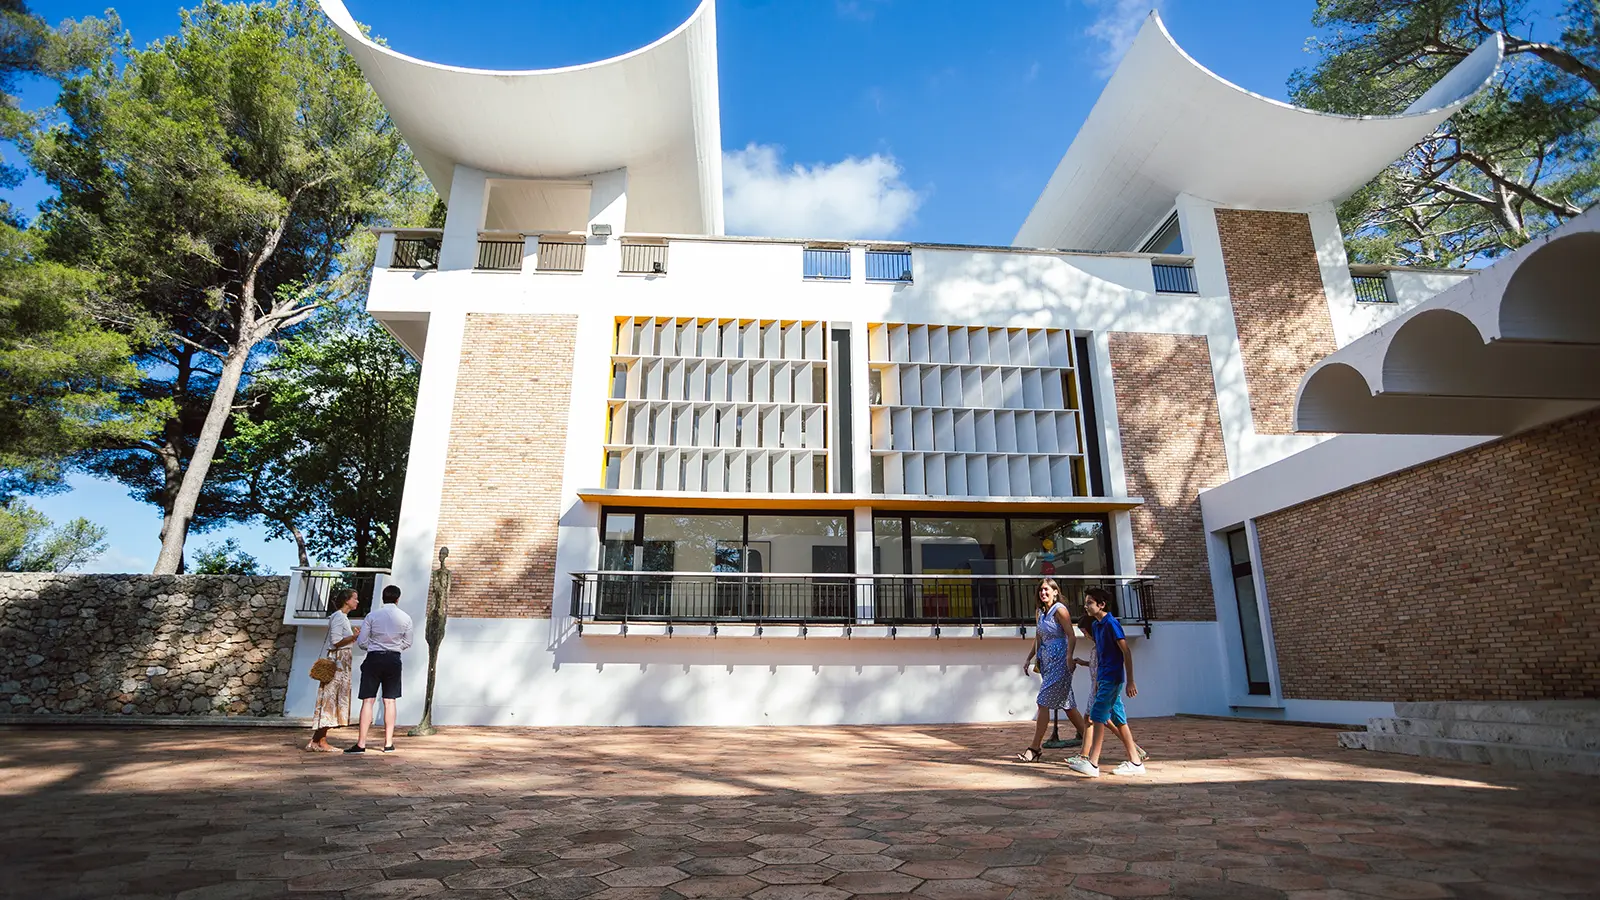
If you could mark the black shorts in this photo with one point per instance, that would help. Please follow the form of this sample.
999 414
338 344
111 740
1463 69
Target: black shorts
381 669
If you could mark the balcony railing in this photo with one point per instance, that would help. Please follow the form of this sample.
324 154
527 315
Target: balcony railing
312 589
560 256
888 265
415 253
1174 279
838 599
500 256
1372 288
644 259
824 264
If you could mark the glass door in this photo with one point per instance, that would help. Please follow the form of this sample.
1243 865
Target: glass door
1244 592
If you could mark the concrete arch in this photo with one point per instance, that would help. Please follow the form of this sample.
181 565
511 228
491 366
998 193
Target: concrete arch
1554 295
1329 393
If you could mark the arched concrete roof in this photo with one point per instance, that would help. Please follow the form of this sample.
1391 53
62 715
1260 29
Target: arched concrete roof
1516 345
1166 125
653 111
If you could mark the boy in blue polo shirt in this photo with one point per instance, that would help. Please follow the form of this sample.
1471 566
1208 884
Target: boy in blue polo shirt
1115 659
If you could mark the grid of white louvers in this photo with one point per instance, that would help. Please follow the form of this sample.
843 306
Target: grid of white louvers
975 412
735 405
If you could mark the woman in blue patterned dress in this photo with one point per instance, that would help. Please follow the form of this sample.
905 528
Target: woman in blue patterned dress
1053 647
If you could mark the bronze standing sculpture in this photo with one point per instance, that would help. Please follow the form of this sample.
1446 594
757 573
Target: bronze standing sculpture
438 611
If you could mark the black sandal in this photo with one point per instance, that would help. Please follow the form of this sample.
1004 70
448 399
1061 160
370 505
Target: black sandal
1030 755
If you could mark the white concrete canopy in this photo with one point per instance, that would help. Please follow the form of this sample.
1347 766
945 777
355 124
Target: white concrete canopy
1515 346
1165 125
653 112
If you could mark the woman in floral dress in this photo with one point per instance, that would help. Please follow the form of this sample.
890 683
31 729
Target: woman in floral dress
1055 662
333 698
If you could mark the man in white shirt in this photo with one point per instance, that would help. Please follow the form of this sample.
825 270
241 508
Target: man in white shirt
386 632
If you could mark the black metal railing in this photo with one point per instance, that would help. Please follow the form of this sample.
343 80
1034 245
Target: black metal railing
888 265
560 256
1372 288
1174 279
415 253
647 259
314 590
827 264
839 599
500 256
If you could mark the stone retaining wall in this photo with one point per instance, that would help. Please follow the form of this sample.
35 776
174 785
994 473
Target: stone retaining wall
143 644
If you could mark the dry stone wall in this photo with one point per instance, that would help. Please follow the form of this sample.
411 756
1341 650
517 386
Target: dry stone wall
211 645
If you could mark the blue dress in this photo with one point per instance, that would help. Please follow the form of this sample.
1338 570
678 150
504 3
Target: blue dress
1056 693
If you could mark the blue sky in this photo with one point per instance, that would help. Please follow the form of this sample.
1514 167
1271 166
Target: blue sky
915 119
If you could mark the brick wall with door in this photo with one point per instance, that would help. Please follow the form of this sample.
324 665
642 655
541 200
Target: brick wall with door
1172 449
1279 306
1472 577
502 482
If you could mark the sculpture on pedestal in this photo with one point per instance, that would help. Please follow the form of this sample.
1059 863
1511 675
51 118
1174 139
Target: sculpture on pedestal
438 611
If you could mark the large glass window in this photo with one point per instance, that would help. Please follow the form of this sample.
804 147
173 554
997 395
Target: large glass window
1057 546
1244 591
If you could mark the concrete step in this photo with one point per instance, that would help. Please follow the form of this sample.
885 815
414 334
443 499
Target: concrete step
1562 737
1563 713
1518 756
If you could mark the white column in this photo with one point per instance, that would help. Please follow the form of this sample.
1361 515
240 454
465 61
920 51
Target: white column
383 258
421 501
608 205
469 202
861 414
1332 261
861 522
1198 219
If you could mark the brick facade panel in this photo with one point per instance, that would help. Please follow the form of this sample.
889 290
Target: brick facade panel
1473 577
1279 306
1172 449
502 483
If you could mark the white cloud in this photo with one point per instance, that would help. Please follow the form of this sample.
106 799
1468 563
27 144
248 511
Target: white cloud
854 198
1115 25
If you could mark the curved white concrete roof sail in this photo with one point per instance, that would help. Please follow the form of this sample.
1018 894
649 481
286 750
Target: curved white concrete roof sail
1165 125
654 111
1515 346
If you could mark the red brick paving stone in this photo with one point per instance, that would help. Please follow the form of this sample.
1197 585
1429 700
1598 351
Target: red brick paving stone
458 851
336 880
1088 865
1171 870
233 890
574 868
721 848
720 835
643 876
861 862
962 889
373 861
875 882
401 889
717 886
557 889
785 840
1395 888
800 892
1124 884
500 877
788 856
1278 879
280 868
427 868
719 865
977 841
652 857
942 868
591 851
922 851
850 846
792 874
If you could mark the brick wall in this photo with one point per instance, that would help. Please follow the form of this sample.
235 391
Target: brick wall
1279 306
1473 577
502 481
1172 449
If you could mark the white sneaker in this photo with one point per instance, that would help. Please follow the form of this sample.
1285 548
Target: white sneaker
1083 767
1129 767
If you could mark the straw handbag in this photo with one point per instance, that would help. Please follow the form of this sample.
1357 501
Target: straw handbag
324 669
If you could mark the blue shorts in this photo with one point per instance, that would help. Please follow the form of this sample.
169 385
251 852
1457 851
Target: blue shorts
1107 706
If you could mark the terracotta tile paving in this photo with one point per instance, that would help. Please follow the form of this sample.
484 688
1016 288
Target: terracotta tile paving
1228 810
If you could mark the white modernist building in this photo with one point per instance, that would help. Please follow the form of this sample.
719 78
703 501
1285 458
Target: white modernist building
692 478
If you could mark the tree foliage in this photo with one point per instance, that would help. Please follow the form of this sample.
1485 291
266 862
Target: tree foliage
28 543
211 181
321 453
226 558
1519 159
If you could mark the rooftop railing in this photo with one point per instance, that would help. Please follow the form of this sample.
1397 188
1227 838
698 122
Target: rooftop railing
1372 288
1173 278
312 590
415 253
556 255
499 256
889 265
644 259
827 264
838 599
